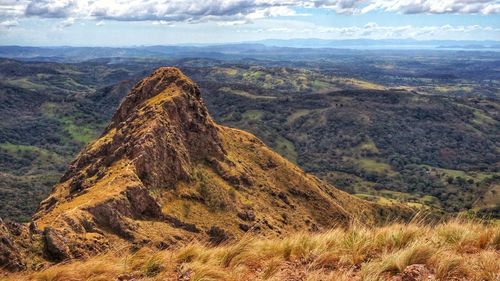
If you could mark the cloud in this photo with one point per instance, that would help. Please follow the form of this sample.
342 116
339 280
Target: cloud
235 11
232 23
12 8
51 8
66 23
164 23
375 31
192 11
270 12
9 23
340 6
435 7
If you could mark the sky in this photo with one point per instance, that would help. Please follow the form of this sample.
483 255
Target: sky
170 22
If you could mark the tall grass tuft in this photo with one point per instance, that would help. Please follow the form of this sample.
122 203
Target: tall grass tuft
458 249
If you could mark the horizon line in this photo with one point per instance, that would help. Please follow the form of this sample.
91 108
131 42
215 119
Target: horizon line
257 42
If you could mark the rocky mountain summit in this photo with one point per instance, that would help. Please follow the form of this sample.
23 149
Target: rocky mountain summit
163 172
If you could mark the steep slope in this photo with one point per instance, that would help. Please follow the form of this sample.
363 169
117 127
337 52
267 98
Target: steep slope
163 171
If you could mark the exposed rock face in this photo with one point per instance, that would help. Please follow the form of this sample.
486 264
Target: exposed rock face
162 127
10 257
56 247
135 202
164 171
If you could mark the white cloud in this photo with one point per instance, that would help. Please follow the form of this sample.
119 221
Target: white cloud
375 31
270 12
100 23
12 7
66 23
232 23
192 11
435 6
52 9
9 23
164 23
233 12
340 6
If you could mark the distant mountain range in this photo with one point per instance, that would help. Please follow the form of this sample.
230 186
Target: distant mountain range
382 44
265 49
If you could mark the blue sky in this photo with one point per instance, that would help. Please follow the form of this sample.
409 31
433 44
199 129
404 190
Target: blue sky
160 22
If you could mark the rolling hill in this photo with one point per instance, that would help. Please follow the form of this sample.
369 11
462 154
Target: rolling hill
365 143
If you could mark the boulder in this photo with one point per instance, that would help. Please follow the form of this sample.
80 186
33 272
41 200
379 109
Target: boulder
55 245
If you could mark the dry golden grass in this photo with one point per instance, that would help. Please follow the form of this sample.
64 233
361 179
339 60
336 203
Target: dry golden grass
454 250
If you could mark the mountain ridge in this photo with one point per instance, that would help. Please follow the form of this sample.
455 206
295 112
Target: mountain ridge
164 173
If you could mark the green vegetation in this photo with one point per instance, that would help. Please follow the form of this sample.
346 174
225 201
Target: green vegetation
410 129
82 134
372 165
252 115
286 148
431 151
48 112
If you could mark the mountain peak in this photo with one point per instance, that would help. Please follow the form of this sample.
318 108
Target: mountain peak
165 81
163 169
160 129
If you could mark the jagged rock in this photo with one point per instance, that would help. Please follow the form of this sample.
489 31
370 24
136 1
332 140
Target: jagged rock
55 245
15 228
143 203
10 257
33 228
136 203
284 218
108 215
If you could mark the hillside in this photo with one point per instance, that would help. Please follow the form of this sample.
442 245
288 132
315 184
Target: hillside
163 172
380 144
50 111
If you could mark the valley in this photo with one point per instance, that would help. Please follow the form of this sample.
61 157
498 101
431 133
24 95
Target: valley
385 137
135 171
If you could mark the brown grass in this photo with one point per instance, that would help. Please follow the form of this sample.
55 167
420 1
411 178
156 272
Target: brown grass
455 250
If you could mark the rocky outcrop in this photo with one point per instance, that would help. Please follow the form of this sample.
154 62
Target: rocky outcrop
163 137
10 257
135 203
56 247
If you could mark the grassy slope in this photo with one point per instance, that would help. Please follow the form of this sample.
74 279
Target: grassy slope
456 250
